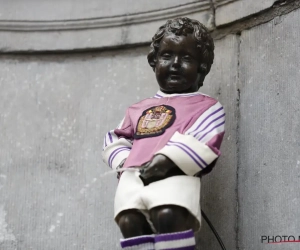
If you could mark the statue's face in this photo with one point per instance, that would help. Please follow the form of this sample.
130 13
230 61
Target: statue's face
177 64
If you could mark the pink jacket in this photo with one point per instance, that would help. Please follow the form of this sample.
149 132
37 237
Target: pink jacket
187 128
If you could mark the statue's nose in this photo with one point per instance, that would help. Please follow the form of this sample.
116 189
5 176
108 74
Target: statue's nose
176 62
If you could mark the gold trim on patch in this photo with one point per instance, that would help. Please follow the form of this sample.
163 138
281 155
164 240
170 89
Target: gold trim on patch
154 121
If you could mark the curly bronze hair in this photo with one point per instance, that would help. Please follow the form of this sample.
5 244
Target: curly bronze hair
183 26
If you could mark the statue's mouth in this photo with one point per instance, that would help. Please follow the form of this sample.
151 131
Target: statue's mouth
174 76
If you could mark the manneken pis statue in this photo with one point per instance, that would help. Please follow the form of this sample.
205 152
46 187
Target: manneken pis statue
173 138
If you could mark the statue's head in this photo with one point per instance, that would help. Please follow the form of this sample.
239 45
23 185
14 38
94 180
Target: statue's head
181 55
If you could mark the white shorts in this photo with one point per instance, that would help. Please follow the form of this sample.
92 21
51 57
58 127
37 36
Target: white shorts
181 190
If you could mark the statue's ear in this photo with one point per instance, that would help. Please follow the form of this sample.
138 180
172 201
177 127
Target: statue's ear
202 72
201 80
203 68
152 63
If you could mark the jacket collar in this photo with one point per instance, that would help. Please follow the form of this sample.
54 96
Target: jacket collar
161 94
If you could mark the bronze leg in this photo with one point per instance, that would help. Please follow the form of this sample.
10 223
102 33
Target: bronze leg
170 219
133 223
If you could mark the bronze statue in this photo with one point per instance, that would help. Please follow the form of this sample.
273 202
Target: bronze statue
172 139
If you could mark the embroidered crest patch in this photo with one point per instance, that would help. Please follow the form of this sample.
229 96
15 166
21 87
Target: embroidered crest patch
154 121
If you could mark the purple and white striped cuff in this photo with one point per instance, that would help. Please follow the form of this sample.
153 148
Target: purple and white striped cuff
145 242
176 241
115 153
190 155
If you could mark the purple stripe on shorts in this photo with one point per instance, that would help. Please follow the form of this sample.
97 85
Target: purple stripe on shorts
192 151
211 130
136 241
115 152
158 95
195 160
174 236
110 137
210 124
207 118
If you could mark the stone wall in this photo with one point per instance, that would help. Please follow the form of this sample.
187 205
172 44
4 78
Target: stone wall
64 84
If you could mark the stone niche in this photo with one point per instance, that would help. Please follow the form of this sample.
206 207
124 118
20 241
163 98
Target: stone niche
68 25
228 11
75 25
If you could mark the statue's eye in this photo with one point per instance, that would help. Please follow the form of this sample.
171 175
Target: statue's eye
166 55
187 58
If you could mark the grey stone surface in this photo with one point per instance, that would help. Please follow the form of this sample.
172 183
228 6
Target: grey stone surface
78 9
269 144
233 11
54 111
84 39
219 187
63 34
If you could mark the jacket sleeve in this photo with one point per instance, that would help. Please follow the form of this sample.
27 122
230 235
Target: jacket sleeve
198 146
118 143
